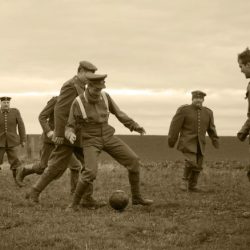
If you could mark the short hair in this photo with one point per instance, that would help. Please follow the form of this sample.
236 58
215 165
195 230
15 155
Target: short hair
244 56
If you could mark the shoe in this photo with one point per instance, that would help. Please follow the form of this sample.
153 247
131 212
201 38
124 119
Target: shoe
20 176
141 201
91 203
32 196
195 190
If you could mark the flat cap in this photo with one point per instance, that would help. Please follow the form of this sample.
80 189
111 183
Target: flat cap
87 65
5 98
96 79
198 94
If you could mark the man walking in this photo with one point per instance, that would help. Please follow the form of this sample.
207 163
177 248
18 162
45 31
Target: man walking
190 124
10 122
90 112
46 119
61 155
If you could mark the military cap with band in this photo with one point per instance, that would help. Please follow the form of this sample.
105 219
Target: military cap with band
87 65
198 94
5 98
96 80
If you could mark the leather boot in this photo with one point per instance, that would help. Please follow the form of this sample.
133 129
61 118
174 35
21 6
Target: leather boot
248 175
22 172
193 181
40 185
74 175
185 178
134 180
81 188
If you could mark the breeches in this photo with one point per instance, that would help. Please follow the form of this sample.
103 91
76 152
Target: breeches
12 157
60 159
115 147
45 153
194 160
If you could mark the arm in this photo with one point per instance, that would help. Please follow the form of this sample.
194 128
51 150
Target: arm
70 128
21 127
175 127
123 117
45 114
212 131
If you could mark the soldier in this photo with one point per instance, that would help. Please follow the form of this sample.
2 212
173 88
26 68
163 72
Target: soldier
61 155
190 124
46 119
10 121
90 111
244 64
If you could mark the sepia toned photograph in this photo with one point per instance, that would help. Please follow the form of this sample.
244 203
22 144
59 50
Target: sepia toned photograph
124 125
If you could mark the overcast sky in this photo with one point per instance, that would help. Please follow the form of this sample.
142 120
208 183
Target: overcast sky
155 53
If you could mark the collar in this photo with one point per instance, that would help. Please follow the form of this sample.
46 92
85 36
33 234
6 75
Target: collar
5 110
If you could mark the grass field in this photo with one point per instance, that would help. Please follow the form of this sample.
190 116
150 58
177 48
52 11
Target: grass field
212 219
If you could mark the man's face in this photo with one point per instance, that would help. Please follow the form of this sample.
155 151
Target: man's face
95 91
245 68
197 101
5 104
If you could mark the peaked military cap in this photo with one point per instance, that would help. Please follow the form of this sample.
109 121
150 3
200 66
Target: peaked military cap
87 65
96 79
5 98
198 94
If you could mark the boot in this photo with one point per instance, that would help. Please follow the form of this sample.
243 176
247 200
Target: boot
88 201
134 180
40 185
81 188
193 181
185 178
22 172
248 175
74 174
14 177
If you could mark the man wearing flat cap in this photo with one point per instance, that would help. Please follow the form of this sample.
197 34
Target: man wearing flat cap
90 112
10 122
189 126
61 155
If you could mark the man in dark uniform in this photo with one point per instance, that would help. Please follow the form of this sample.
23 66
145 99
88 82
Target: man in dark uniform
190 124
46 119
90 111
10 121
244 64
61 155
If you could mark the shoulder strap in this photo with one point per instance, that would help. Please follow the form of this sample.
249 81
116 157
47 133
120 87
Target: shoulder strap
104 96
84 115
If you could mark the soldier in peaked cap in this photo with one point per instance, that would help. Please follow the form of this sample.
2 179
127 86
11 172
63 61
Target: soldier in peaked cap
190 125
10 121
90 111
61 155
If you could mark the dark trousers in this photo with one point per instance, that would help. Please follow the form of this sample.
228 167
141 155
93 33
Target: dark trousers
12 156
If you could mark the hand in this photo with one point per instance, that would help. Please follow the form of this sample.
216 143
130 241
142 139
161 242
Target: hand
50 134
71 137
216 144
23 144
140 130
242 136
58 140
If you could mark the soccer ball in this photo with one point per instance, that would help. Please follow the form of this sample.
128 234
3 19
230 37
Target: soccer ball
118 200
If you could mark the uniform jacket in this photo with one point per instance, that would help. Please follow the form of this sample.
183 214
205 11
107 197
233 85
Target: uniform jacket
10 121
46 119
67 95
190 125
96 123
248 99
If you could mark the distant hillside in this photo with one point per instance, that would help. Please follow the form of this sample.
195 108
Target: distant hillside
155 148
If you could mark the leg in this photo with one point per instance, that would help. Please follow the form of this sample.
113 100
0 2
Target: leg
13 161
127 157
2 151
57 164
37 168
88 175
75 167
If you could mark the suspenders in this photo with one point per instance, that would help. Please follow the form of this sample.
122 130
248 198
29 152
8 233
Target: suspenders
83 111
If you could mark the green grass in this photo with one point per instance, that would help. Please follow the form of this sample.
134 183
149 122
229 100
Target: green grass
177 220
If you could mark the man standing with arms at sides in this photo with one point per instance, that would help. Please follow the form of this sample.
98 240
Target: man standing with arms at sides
244 64
10 121
190 124
46 119
90 111
61 155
